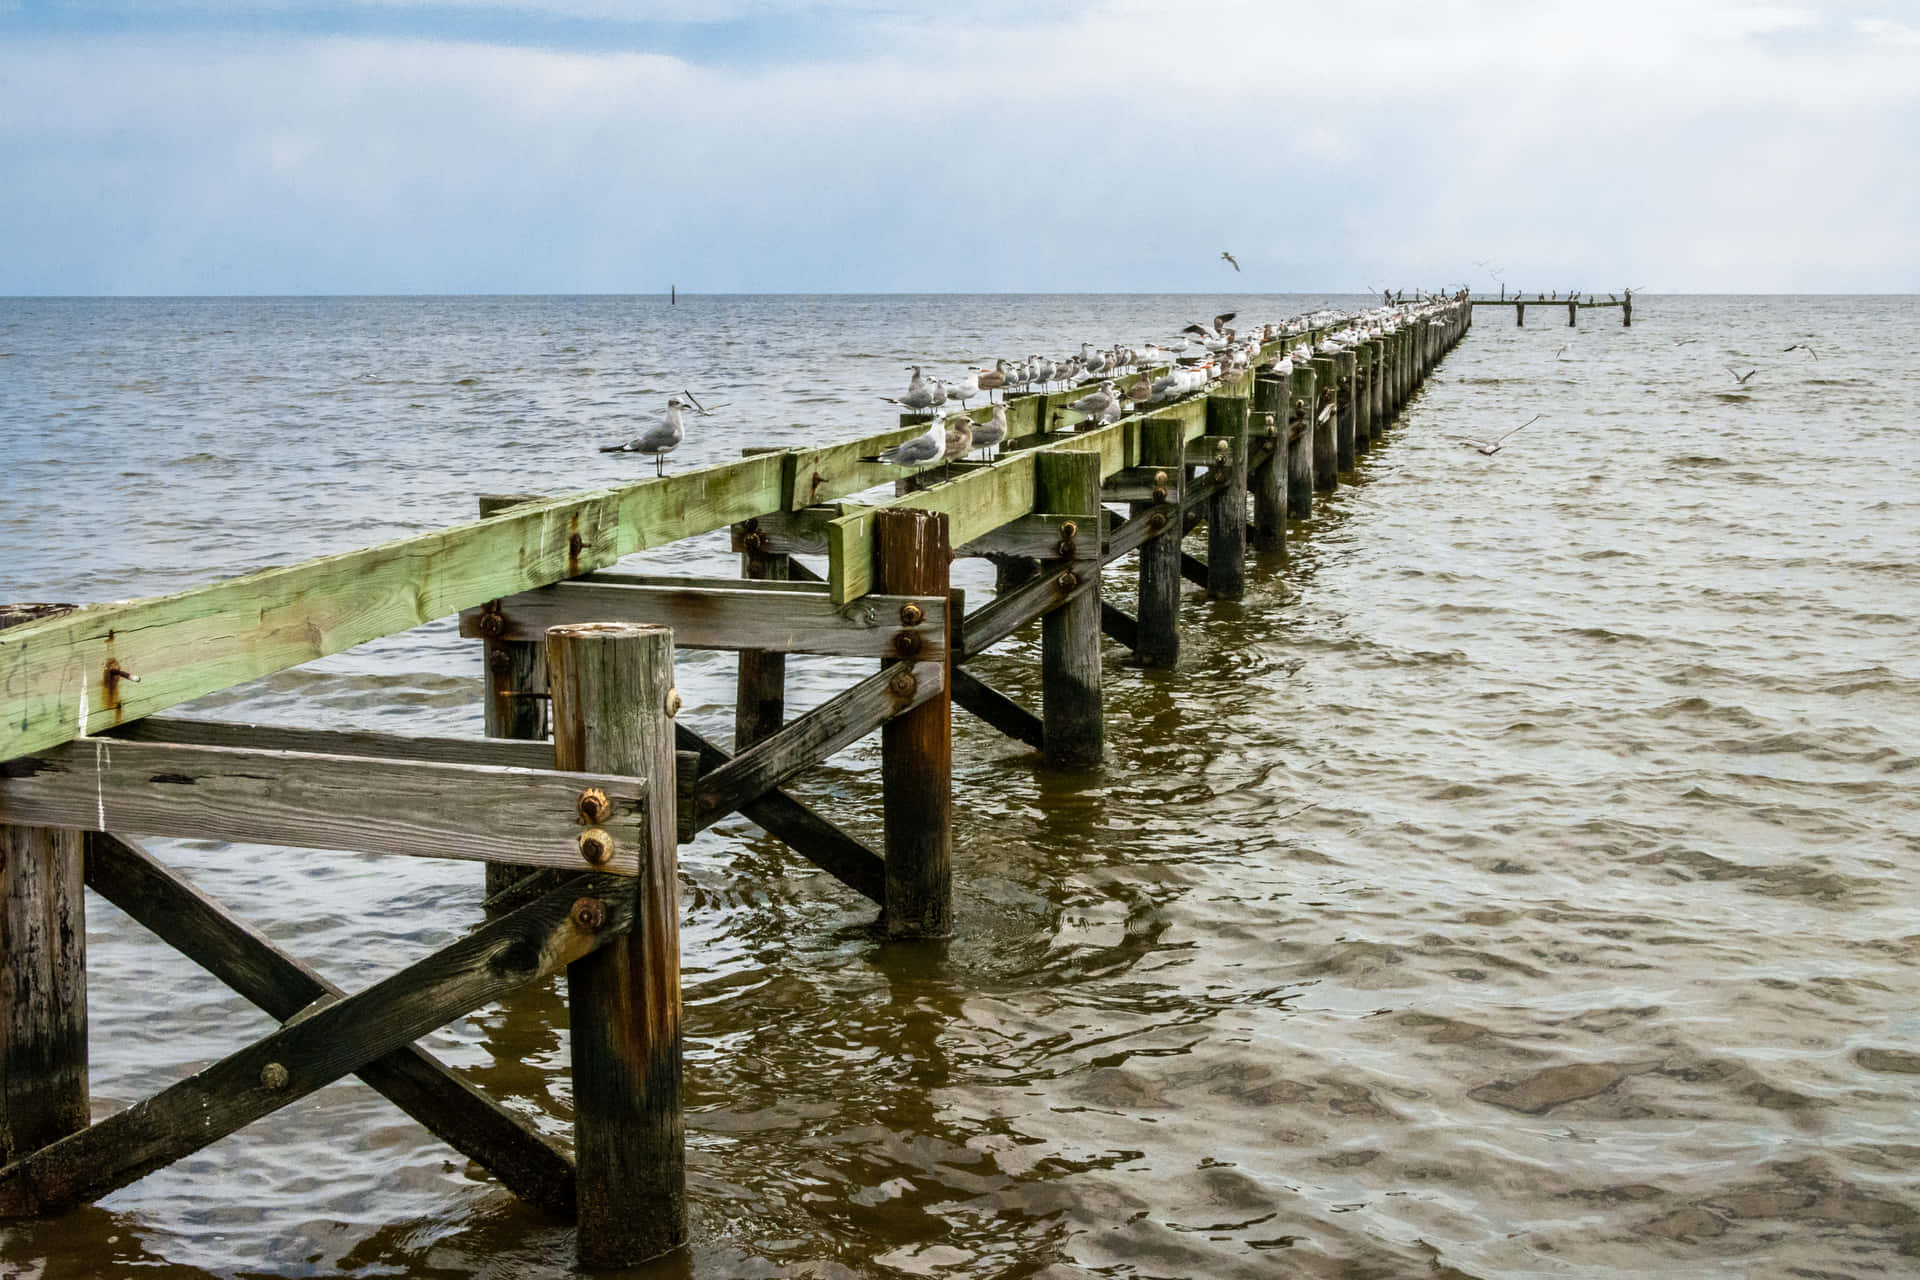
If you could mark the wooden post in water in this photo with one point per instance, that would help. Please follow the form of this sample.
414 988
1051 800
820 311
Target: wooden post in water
1344 418
1162 447
1299 437
1070 689
613 707
1626 310
1377 390
1268 480
760 690
43 987
911 558
1362 398
1573 312
1520 315
1409 376
516 684
1326 447
1227 508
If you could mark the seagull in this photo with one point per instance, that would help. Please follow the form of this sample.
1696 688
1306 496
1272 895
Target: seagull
919 396
1230 258
1096 403
929 446
1491 447
959 437
1801 346
1561 354
994 379
965 389
1739 377
660 439
988 435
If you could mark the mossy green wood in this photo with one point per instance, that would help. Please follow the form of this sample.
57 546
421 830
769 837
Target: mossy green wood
59 679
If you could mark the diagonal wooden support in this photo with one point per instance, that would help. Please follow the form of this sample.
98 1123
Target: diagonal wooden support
997 709
313 1051
834 724
803 830
1119 625
411 1078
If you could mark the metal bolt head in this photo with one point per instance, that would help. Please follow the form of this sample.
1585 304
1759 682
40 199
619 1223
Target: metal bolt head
903 684
575 543
596 846
274 1076
595 807
493 625
1068 530
912 615
499 662
907 643
1067 581
673 702
1160 493
588 914
1159 479
1157 521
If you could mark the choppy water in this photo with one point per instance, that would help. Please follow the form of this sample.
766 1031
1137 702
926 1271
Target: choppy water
1520 880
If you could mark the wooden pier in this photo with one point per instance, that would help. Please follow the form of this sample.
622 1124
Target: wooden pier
586 782
1575 303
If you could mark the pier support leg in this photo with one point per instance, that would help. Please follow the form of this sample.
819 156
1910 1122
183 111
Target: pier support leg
1520 315
1344 419
1070 689
1377 390
1573 313
910 557
43 999
1326 446
516 683
1362 399
1299 437
613 702
1268 480
1227 508
760 696
1162 444
1626 310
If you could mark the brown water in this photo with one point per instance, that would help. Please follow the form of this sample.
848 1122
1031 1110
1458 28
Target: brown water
1518 881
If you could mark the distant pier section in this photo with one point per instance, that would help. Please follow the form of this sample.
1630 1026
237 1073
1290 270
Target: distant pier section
1574 303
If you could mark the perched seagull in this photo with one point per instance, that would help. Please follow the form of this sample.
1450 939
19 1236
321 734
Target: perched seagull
966 388
660 439
1230 258
1739 377
929 446
994 379
1096 403
1801 346
988 435
919 396
959 437
1491 447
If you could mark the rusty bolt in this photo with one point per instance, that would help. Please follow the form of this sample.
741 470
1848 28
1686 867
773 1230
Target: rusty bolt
904 683
1066 581
274 1076
912 615
907 644
1157 521
115 673
673 702
588 914
492 625
1159 479
1068 530
499 662
596 846
755 541
574 544
1160 493
594 806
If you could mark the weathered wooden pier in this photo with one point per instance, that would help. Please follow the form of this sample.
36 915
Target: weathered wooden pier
1575 303
586 782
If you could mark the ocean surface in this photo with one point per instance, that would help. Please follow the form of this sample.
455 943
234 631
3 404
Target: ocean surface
1523 879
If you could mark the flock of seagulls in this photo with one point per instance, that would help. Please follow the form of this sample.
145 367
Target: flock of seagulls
1112 380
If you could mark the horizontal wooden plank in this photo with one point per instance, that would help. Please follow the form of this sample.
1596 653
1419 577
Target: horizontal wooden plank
670 581
802 532
304 800
104 665
313 1051
502 753
1039 536
740 616
409 1077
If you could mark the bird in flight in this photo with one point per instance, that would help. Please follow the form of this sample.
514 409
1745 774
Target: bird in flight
1230 258
1740 377
1491 447
1801 346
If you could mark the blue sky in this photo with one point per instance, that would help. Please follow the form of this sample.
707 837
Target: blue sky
402 146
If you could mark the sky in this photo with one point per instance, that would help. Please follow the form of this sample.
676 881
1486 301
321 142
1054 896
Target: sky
749 146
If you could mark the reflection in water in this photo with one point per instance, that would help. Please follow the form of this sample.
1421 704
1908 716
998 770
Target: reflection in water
1518 880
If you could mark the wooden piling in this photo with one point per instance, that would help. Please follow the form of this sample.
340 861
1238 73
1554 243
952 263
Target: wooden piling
1520 315
1626 310
1326 446
1362 399
1070 685
613 706
910 557
760 691
1346 449
1227 509
1300 486
1162 447
516 700
1268 478
1377 391
43 997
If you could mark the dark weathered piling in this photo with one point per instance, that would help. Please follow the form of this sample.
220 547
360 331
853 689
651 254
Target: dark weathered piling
516 698
1300 485
1362 398
1162 448
1626 310
1326 446
1376 391
1268 477
1227 416
1520 315
911 557
613 707
1346 421
760 691
1070 688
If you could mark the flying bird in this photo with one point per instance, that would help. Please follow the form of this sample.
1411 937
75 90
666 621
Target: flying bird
1491 447
1740 377
1230 258
1801 346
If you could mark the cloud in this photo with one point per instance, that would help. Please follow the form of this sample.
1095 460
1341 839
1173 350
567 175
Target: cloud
1103 148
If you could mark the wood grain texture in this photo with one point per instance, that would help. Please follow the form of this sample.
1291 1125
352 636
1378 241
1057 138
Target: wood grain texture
1345 419
499 753
1074 727
312 1051
1326 445
411 1078
910 556
1267 476
1227 417
760 684
1300 479
304 800
1158 646
43 999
